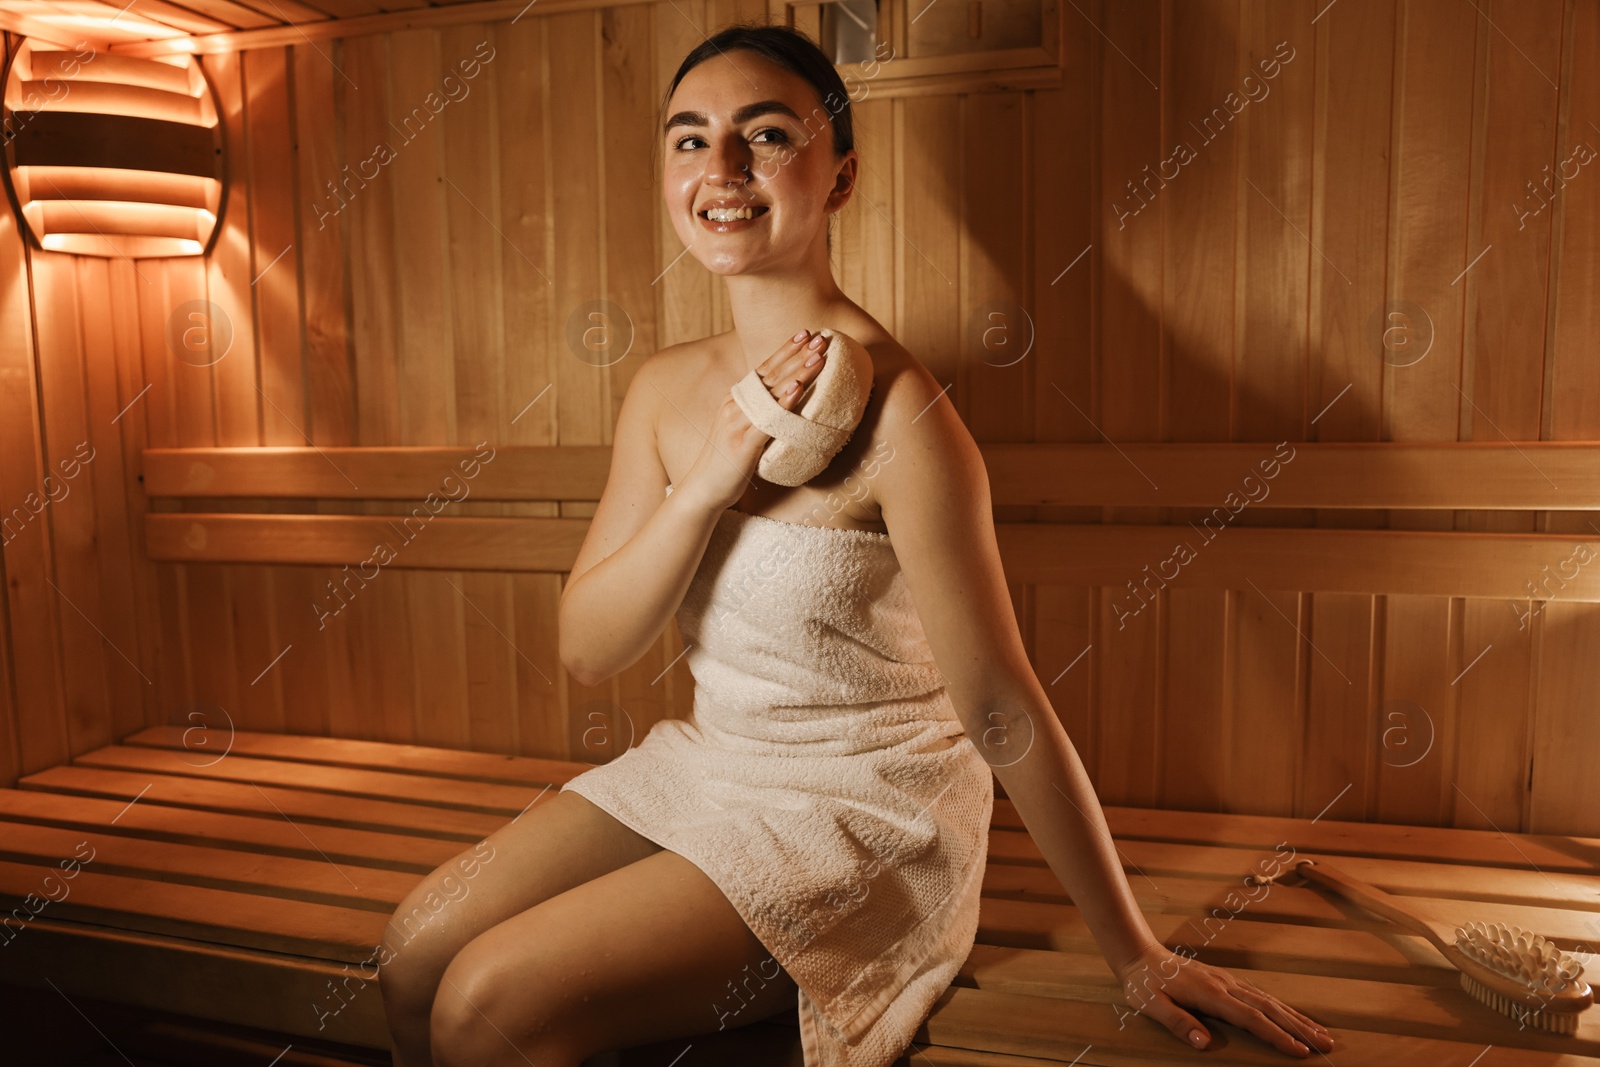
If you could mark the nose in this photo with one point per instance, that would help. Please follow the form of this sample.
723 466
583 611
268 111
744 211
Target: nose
727 162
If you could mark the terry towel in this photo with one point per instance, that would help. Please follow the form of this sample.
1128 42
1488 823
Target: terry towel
822 780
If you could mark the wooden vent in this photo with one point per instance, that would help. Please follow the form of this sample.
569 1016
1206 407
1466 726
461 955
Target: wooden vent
109 155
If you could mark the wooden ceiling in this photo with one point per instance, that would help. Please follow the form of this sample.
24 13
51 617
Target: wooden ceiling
149 27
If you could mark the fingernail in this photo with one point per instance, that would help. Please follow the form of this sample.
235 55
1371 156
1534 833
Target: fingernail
792 387
817 341
1298 1047
1198 1039
814 360
797 338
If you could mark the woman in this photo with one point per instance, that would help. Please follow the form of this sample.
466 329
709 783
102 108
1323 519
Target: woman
816 832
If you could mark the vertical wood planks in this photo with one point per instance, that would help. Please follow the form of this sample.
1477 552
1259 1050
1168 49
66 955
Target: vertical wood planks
127 682
1276 81
320 247
372 631
1065 271
122 362
32 607
1129 404
1195 208
1350 200
1563 795
687 291
529 412
288 664
633 202
401 276
1437 77
1565 788
1417 716
472 197
582 395
993 334
424 341
74 576
1436 67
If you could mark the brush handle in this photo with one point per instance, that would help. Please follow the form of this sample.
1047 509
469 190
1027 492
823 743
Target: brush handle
1375 899
1575 998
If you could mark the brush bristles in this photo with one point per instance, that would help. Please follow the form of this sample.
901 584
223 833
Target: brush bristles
1557 1022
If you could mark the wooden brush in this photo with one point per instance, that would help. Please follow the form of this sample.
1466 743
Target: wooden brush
1514 971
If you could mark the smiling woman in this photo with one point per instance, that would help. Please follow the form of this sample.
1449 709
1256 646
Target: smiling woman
291 658
825 808
820 106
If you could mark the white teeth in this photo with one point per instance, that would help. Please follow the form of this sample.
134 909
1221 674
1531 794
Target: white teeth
728 214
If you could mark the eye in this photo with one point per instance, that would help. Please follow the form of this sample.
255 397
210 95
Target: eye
778 137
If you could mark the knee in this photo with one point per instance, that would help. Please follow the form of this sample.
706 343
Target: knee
484 1017
413 953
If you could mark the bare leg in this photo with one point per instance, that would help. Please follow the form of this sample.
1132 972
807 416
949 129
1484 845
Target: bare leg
647 952
560 842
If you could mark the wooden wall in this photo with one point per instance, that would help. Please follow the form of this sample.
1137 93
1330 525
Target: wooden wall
1387 160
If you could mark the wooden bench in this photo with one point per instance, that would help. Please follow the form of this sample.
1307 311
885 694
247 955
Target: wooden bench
251 882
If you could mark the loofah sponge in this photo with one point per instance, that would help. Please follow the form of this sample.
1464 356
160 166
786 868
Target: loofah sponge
804 442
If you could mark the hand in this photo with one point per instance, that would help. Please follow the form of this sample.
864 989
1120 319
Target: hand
1158 981
731 452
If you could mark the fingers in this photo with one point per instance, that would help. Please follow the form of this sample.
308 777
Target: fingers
1248 1014
773 364
1224 996
1292 1022
787 372
1184 1027
793 377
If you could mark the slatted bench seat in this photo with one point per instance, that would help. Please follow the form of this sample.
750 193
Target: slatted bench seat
252 887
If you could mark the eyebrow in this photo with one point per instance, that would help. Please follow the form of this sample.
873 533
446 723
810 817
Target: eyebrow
744 114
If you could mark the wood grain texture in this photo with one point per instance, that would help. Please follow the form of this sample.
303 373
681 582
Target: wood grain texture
193 882
421 214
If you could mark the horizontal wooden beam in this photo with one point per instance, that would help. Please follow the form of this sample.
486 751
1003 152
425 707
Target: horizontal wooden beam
564 472
1561 475
904 77
389 22
1134 561
1429 563
368 543
45 32
273 991
1442 475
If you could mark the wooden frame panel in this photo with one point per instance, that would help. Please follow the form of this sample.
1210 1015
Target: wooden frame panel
1437 475
1415 562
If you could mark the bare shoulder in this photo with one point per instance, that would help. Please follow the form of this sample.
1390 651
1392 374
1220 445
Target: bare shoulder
921 439
639 471
684 390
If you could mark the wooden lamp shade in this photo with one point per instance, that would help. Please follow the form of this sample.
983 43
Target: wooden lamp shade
111 155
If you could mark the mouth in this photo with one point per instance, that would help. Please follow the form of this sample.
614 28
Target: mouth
725 215
732 220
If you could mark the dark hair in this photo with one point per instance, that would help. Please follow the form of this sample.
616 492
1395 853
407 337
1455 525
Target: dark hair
788 48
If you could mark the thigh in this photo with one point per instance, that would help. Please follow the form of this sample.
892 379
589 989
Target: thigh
648 952
560 842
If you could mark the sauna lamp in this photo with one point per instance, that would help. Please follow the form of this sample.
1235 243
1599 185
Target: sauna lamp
111 155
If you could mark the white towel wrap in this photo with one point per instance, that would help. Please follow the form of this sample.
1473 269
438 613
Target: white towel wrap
823 780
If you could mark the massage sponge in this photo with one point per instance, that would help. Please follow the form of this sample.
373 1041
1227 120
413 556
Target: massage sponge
805 441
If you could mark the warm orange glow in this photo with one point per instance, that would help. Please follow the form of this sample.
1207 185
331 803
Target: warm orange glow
95 244
109 22
71 174
111 183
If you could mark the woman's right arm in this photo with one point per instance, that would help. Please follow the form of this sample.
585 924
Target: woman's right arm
639 554
644 546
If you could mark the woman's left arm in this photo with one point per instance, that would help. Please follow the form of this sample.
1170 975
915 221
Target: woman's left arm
934 492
